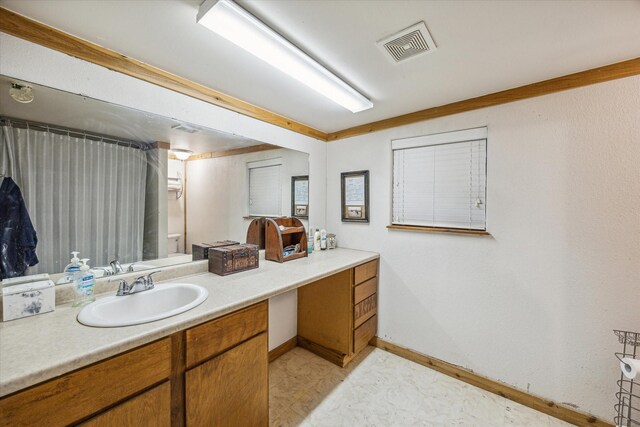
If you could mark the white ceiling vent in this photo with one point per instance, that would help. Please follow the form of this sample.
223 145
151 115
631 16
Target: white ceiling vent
184 128
408 43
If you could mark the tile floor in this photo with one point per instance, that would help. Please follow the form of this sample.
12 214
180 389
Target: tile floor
382 389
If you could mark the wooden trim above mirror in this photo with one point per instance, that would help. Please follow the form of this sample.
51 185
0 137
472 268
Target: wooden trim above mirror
232 152
52 38
161 145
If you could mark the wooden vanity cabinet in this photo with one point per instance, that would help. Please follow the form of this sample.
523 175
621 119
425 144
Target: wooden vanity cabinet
215 373
337 315
76 396
212 374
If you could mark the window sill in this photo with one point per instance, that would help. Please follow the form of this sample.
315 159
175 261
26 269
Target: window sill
438 230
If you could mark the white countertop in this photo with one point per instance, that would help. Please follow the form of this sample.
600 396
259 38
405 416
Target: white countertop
42 347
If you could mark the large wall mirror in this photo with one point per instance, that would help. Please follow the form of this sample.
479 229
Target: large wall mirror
127 189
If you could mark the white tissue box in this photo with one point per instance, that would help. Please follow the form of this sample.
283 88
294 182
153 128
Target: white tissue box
27 299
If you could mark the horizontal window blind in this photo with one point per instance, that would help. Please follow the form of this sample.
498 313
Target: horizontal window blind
440 185
265 191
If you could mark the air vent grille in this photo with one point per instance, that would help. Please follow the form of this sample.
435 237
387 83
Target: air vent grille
408 43
184 128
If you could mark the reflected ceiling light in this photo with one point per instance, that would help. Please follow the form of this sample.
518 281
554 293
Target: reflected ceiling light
21 93
235 24
181 154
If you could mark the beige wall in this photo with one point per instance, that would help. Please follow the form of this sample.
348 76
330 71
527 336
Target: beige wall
533 305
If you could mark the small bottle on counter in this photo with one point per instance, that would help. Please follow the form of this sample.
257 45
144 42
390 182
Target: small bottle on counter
85 283
316 240
323 239
310 241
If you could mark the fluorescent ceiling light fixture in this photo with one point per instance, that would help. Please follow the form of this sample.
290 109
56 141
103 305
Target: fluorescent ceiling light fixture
181 154
235 24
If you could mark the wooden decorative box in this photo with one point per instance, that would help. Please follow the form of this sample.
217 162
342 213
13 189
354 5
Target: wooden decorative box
281 233
201 250
233 259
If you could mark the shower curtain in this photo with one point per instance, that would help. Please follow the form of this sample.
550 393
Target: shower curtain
82 194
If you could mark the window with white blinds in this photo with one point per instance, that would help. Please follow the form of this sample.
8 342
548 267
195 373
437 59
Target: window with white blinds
265 188
440 180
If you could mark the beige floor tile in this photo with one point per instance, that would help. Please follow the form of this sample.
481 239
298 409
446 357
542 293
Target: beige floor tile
481 408
381 389
520 415
555 422
286 419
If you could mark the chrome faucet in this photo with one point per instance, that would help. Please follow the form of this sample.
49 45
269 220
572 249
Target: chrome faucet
116 267
142 283
106 271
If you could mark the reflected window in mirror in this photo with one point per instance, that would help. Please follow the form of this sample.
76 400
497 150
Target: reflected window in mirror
300 196
265 194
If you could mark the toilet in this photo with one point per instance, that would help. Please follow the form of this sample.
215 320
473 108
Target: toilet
173 244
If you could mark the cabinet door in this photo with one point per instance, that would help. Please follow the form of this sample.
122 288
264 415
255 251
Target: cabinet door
151 408
231 389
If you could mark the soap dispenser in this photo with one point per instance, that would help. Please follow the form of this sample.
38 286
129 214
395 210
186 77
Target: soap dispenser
84 285
72 268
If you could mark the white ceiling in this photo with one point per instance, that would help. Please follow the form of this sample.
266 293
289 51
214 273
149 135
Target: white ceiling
70 111
483 47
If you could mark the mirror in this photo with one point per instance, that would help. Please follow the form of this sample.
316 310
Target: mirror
127 189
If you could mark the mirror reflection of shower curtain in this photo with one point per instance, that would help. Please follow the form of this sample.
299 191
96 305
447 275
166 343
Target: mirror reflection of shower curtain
82 195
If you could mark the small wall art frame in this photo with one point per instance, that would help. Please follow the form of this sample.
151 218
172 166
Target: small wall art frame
355 196
300 196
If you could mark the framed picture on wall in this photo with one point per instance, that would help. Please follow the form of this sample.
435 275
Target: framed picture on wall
300 196
355 196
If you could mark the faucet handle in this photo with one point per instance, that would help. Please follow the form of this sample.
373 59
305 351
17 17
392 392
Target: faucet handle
148 279
123 287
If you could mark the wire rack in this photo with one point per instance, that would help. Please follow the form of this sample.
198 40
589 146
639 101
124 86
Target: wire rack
628 395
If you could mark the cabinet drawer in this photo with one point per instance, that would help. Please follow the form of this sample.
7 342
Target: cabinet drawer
364 333
152 408
72 397
365 272
365 290
364 310
212 338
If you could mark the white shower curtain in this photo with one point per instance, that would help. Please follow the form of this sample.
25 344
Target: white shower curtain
82 194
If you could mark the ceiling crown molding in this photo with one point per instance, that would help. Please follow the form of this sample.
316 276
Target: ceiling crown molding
36 32
618 70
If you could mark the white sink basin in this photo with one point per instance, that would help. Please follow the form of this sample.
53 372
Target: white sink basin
165 300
